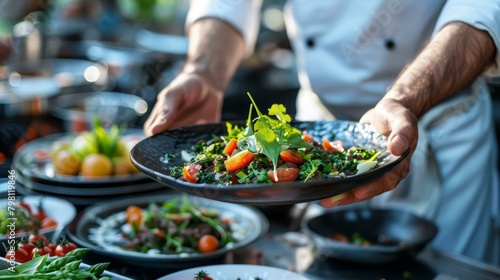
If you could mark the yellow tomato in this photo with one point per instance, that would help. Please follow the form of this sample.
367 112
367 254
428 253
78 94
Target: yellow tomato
66 163
58 146
96 165
84 145
120 166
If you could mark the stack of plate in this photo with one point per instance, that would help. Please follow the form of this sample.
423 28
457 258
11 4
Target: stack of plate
35 175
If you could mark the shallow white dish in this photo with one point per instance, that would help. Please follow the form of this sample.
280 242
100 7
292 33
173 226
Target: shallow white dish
56 208
236 271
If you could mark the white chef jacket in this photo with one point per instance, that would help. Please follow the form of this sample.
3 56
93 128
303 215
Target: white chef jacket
348 54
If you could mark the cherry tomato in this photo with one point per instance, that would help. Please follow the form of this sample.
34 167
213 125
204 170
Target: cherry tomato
41 248
40 213
96 165
284 174
19 255
48 223
230 147
306 136
336 146
202 275
52 247
133 214
239 160
35 237
66 163
189 171
64 247
26 245
25 205
292 156
208 243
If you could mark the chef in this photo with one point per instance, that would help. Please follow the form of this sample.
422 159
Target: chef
412 69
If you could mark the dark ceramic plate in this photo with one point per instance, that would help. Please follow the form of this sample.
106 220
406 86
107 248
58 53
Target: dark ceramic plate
148 157
393 234
41 170
96 229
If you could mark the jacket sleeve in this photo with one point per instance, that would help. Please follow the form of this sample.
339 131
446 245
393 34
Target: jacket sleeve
243 15
481 14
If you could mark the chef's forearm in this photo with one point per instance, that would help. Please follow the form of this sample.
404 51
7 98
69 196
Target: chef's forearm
215 51
452 59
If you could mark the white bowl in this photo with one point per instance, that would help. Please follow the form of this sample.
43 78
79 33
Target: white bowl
62 211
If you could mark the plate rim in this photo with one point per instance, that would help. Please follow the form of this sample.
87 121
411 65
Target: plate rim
235 266
160 258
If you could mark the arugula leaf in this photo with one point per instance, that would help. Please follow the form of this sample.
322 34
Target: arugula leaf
31 266
268 141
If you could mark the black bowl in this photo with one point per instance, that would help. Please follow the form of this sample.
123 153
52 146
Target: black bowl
392 234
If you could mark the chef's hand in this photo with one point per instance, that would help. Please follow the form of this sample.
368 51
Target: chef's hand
392 119
189 99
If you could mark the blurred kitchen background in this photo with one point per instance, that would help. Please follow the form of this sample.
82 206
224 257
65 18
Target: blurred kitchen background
73 59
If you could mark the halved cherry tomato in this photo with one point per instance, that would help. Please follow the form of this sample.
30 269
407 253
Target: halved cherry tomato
336 146
48 223
292 156
19 255
230 147
306 136
133 214
239 160
208 243
190 172
284 174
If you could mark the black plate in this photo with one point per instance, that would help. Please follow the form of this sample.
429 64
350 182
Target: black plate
147 156
42 171
88 231
411 232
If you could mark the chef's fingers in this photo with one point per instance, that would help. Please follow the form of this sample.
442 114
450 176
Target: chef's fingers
392 119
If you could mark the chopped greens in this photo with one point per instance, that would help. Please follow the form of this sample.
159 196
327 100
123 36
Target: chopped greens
270 150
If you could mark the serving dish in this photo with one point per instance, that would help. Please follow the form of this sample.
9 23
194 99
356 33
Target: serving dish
236 271
150 156
30 165
96 229
62 211
369 235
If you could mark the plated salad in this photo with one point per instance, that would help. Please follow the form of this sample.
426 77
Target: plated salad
176 226
270 150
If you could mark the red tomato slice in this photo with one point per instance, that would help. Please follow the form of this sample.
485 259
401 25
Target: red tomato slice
336 146
190 172
230 147
307 137
292 156
239 160
285 174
